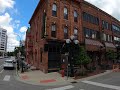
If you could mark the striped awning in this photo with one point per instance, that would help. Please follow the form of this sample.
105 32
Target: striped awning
110 46
93 42
93 45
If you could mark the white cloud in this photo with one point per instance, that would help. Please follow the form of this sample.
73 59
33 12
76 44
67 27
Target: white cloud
24 36
4 4
5 22
5 19
109 6
23 29
8 23
12 42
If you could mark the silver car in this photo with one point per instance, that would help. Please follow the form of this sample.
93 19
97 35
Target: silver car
8 64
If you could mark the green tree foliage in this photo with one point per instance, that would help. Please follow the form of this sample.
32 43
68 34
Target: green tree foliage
111 55
21 49
10 53
82 58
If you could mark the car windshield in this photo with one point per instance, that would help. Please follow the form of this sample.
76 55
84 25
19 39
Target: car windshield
8 61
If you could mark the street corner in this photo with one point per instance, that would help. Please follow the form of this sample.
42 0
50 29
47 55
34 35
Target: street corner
24 77
47 81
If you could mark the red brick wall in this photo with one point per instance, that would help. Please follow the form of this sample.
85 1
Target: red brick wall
46 5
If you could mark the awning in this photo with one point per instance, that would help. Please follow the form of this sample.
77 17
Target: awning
93 45
110 46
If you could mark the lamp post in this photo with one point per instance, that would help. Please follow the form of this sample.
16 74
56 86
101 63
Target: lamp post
71 42
20 61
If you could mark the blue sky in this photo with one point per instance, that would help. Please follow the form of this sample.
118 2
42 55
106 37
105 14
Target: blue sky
14 17
25 9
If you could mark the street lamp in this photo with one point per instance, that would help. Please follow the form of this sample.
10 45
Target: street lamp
20 58
71 42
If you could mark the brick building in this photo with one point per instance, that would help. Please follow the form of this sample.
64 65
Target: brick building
54 21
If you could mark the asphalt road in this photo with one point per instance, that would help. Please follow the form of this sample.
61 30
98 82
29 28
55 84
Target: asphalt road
8 81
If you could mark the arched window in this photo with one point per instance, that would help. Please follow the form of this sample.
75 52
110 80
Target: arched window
54 10
53 30
76 33
65 13
75 16
65 32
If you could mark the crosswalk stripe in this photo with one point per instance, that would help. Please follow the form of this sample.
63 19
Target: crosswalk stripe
1 71
62 88
102 85
1 65
6 78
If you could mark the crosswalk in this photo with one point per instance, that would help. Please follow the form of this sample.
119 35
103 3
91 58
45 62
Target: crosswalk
62 88
6 78
68 87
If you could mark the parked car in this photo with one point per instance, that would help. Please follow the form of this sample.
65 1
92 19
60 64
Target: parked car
8 64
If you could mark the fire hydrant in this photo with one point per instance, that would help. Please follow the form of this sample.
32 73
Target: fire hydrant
62 73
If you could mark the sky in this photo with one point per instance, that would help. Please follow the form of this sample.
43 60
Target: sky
15 15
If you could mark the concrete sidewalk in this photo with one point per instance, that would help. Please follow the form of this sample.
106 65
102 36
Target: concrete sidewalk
39 78
50 79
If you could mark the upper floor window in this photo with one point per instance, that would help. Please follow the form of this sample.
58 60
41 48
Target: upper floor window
65 32
75 16
89 33
53 31
76 33
116 38
65 13
90 18
105 24
54 10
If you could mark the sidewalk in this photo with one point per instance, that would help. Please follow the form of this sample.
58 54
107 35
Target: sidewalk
50 79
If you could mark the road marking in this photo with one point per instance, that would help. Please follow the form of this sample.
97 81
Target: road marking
102 85
1 71
62 88
1 65
6 78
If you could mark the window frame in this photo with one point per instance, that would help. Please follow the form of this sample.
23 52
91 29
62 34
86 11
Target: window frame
75 16
65 34
66 13
53 30
54 10
76 34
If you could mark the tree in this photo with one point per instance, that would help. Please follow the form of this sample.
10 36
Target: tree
82 59
111 55
10 53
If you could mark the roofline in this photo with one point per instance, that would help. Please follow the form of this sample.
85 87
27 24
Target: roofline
102 11
36 9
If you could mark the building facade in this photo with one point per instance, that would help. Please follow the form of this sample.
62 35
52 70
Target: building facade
3 41
54 21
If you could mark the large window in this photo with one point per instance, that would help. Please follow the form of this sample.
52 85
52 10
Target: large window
65 32
65 13
116 38
75 16
53 31
89 33
105 25
90 18
76 33
54 10
116 29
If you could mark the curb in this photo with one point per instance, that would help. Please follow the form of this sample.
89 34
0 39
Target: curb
67 82
95 76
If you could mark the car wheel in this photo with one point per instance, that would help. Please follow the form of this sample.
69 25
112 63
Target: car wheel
4 68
